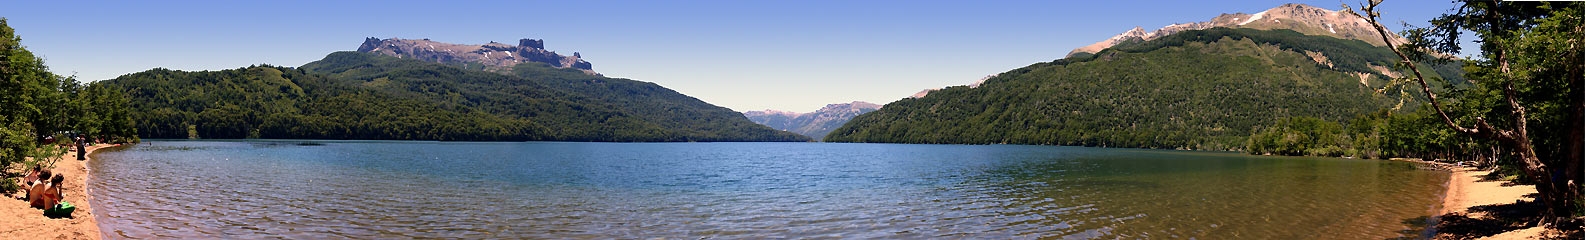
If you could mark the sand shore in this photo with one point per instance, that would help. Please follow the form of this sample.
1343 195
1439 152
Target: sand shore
1481 208
18 221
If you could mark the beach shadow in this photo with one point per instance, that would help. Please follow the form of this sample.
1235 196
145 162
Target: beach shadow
1508 181
1498 218
1492 176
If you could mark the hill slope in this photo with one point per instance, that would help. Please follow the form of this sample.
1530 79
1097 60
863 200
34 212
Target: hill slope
1197 89
350 95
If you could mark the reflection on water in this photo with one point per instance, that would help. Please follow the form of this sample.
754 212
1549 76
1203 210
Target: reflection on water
297 189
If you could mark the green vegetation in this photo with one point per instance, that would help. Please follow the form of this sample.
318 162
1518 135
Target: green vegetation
35 104
351 95
1209 89
1300 136
1529 95
1382 134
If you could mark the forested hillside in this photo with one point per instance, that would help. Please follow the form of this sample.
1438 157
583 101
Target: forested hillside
1200 89
350 95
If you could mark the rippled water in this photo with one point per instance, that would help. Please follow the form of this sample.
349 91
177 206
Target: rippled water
194 189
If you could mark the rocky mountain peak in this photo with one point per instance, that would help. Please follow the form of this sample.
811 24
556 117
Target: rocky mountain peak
852 106
1131 33
492 56
1301 18
531 43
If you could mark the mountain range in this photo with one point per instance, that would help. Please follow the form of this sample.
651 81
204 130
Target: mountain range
493 56
1306 19
813 124
440 94
1205 85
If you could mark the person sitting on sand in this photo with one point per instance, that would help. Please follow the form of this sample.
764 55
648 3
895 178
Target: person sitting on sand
36 196
59 208
52 195
28 181
44 176
37 177
32 176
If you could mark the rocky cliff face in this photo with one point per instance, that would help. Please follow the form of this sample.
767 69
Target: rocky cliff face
813 124
1301 18
492 56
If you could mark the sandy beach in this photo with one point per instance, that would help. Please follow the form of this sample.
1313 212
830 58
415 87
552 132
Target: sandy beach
1477 207
18 221
1468 188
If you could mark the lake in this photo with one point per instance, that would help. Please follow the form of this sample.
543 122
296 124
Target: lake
405 189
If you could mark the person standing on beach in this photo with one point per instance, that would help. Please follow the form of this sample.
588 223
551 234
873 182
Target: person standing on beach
80 147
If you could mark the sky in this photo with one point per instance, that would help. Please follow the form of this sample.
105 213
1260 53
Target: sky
744 55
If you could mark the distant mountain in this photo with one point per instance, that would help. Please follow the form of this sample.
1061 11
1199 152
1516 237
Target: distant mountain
813 124
1183 88
493 56
353 95
1301 18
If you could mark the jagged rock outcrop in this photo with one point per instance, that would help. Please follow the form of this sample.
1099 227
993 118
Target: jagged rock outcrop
1301 18
813 124
493 56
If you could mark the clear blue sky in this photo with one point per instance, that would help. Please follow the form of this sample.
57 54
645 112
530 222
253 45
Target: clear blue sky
744 55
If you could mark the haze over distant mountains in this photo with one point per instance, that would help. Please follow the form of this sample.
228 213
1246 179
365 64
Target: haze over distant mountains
813 124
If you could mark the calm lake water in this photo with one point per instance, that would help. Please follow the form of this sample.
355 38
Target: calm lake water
354 189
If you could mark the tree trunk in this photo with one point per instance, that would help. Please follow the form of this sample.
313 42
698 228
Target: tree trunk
1574 143
1556 189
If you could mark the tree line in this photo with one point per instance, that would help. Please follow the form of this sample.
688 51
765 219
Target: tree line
38 106
1205 90
352 95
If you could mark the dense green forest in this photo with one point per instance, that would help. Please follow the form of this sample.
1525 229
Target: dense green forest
36 104
1383 134
1203 89
351 95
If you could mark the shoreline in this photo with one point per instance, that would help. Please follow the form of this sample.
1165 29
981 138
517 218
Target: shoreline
1467 192
20 221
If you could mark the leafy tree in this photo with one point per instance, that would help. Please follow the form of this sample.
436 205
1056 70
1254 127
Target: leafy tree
1529 82
1300 136
35 103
